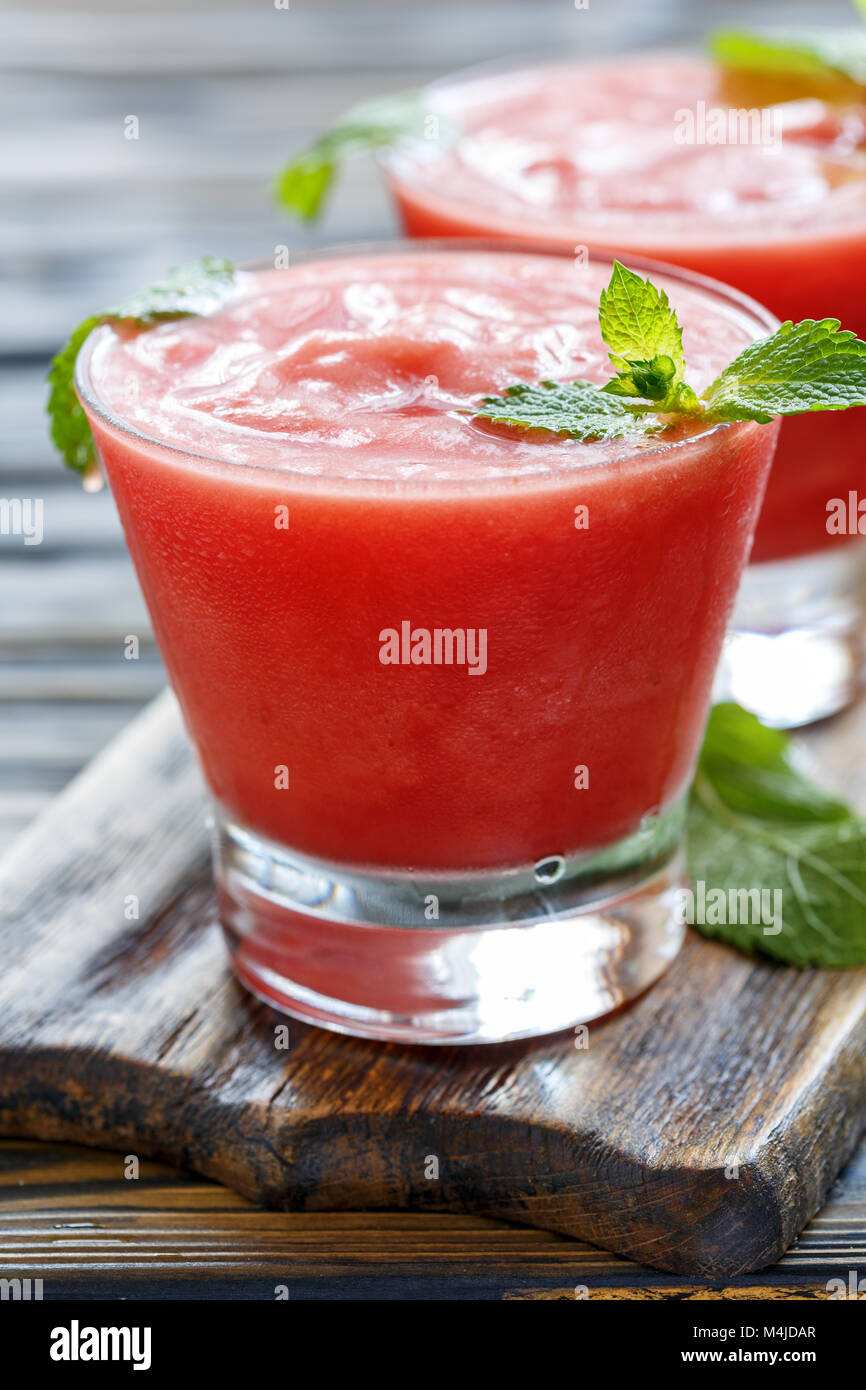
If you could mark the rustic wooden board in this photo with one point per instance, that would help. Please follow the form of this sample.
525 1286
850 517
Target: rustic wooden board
133 1035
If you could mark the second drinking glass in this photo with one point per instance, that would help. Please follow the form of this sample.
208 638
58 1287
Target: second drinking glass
750 179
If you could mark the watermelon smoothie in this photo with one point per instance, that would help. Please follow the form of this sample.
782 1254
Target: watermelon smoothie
631 154
446 685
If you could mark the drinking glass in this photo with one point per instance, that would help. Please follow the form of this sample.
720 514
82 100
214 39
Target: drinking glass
480 845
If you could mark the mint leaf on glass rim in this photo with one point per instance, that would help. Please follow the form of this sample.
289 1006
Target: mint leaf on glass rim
303 184
755 823
816 53
196 288
813 365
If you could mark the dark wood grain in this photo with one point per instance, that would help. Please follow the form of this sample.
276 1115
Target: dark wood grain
72 1218
133 1035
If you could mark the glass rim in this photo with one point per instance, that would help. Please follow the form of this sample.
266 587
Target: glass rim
505 65
393 160
714 289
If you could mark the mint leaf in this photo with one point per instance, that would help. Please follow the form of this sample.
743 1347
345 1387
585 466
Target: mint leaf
196 288
815 53
70 432
653 381
573 410
646 380
191 289
303 184
813 365
755 823
644 339
752 769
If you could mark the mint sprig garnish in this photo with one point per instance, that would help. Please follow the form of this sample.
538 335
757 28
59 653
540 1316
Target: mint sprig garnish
190 289
302 186
825 54
756 823
573 410
813 365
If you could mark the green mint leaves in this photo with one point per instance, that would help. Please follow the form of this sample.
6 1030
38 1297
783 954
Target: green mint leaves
70 432
811 53
575 410
757 825
189 289
645 344
813 365
645 340
195 288
302 186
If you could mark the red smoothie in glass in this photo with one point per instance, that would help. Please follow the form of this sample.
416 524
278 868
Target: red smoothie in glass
633 155
297 476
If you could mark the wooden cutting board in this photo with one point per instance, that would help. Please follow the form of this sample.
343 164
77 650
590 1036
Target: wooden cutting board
698 1132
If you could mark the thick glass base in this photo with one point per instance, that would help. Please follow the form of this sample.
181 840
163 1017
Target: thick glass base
474 958
795 649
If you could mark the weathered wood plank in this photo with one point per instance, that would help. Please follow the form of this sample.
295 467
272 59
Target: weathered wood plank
34 736
133 1035
76 599
50 684
336 38
66 1214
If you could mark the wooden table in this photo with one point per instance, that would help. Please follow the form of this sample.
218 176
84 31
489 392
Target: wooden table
69 1217
222 94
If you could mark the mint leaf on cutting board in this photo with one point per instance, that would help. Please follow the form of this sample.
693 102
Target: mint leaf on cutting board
190 289
755 822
